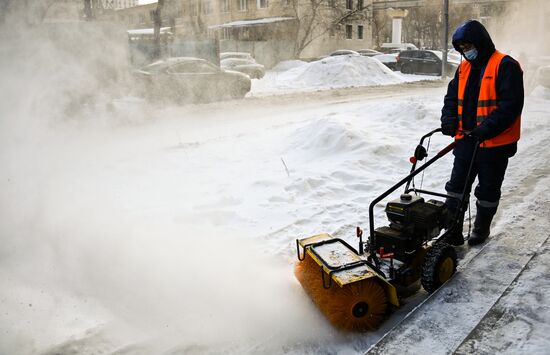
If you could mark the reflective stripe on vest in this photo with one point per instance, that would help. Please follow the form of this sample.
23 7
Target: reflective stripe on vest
487 101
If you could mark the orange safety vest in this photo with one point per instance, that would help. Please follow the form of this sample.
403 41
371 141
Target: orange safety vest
487 101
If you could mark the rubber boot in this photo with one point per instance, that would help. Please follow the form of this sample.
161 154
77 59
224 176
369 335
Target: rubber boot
482 225
455 237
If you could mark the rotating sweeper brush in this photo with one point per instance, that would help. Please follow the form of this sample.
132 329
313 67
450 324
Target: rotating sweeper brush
356 288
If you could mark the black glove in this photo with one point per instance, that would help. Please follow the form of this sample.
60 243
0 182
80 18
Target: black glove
449 125
477 133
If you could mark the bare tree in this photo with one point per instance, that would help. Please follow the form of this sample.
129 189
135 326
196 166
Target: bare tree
31 12
379 23
315 18
157 19
88 14
423 24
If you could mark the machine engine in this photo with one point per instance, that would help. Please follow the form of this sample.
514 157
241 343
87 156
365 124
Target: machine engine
413 221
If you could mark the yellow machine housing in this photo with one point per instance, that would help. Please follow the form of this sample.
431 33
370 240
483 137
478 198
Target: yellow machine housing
350 293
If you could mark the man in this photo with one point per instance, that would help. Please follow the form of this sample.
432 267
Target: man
483 104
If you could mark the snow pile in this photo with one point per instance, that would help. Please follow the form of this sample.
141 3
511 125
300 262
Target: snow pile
329 73
338 72
287 65
326 137
344 71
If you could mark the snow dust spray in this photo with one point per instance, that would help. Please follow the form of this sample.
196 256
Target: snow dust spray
77 257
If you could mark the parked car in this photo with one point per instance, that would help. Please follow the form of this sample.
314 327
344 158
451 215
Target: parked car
344 52
240 55
423 62
393 51
454 55
187 79
389 60
392 47
368 52
247 66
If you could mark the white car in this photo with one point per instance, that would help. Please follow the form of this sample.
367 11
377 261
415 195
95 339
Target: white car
368 52
344 52
239 55
391 47
389 60
454 55
247 66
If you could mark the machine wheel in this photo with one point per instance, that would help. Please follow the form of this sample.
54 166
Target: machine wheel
439 265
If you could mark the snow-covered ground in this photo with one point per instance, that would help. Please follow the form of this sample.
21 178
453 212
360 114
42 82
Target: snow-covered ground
176 233
136 229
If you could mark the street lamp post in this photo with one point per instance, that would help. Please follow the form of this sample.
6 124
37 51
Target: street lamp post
445 38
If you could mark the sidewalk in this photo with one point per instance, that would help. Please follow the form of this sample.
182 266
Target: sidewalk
498 302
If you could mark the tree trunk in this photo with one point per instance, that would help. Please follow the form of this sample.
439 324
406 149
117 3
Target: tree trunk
88 10
158 25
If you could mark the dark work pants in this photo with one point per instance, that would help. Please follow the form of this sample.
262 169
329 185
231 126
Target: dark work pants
490 175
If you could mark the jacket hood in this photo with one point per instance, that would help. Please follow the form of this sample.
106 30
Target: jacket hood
474 32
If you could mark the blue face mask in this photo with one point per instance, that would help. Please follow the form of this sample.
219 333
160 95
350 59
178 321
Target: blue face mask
471 54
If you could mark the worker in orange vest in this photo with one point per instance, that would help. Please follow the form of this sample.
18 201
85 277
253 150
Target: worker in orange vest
482 106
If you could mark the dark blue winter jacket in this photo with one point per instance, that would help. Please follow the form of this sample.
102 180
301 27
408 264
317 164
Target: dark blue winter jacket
509 88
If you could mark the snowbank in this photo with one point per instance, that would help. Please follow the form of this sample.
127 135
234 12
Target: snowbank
325 137
287 65
177 236
329 73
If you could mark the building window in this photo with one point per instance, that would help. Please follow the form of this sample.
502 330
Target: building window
349 4
207 7
349 31
242 5
359 32
262 4
193 9
226 33
224 6
360 4
245 33
179 10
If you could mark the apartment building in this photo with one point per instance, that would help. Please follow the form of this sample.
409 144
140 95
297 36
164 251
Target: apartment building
273 29
118 4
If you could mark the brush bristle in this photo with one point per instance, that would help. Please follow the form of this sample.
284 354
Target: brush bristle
337 303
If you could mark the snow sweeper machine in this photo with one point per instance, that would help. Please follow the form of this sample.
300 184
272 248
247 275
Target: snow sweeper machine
355 289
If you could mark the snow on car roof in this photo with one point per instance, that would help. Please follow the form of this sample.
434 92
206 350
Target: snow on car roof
168 61
237 61
439 54
343 52
147 31
386 58
244 55
341 71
